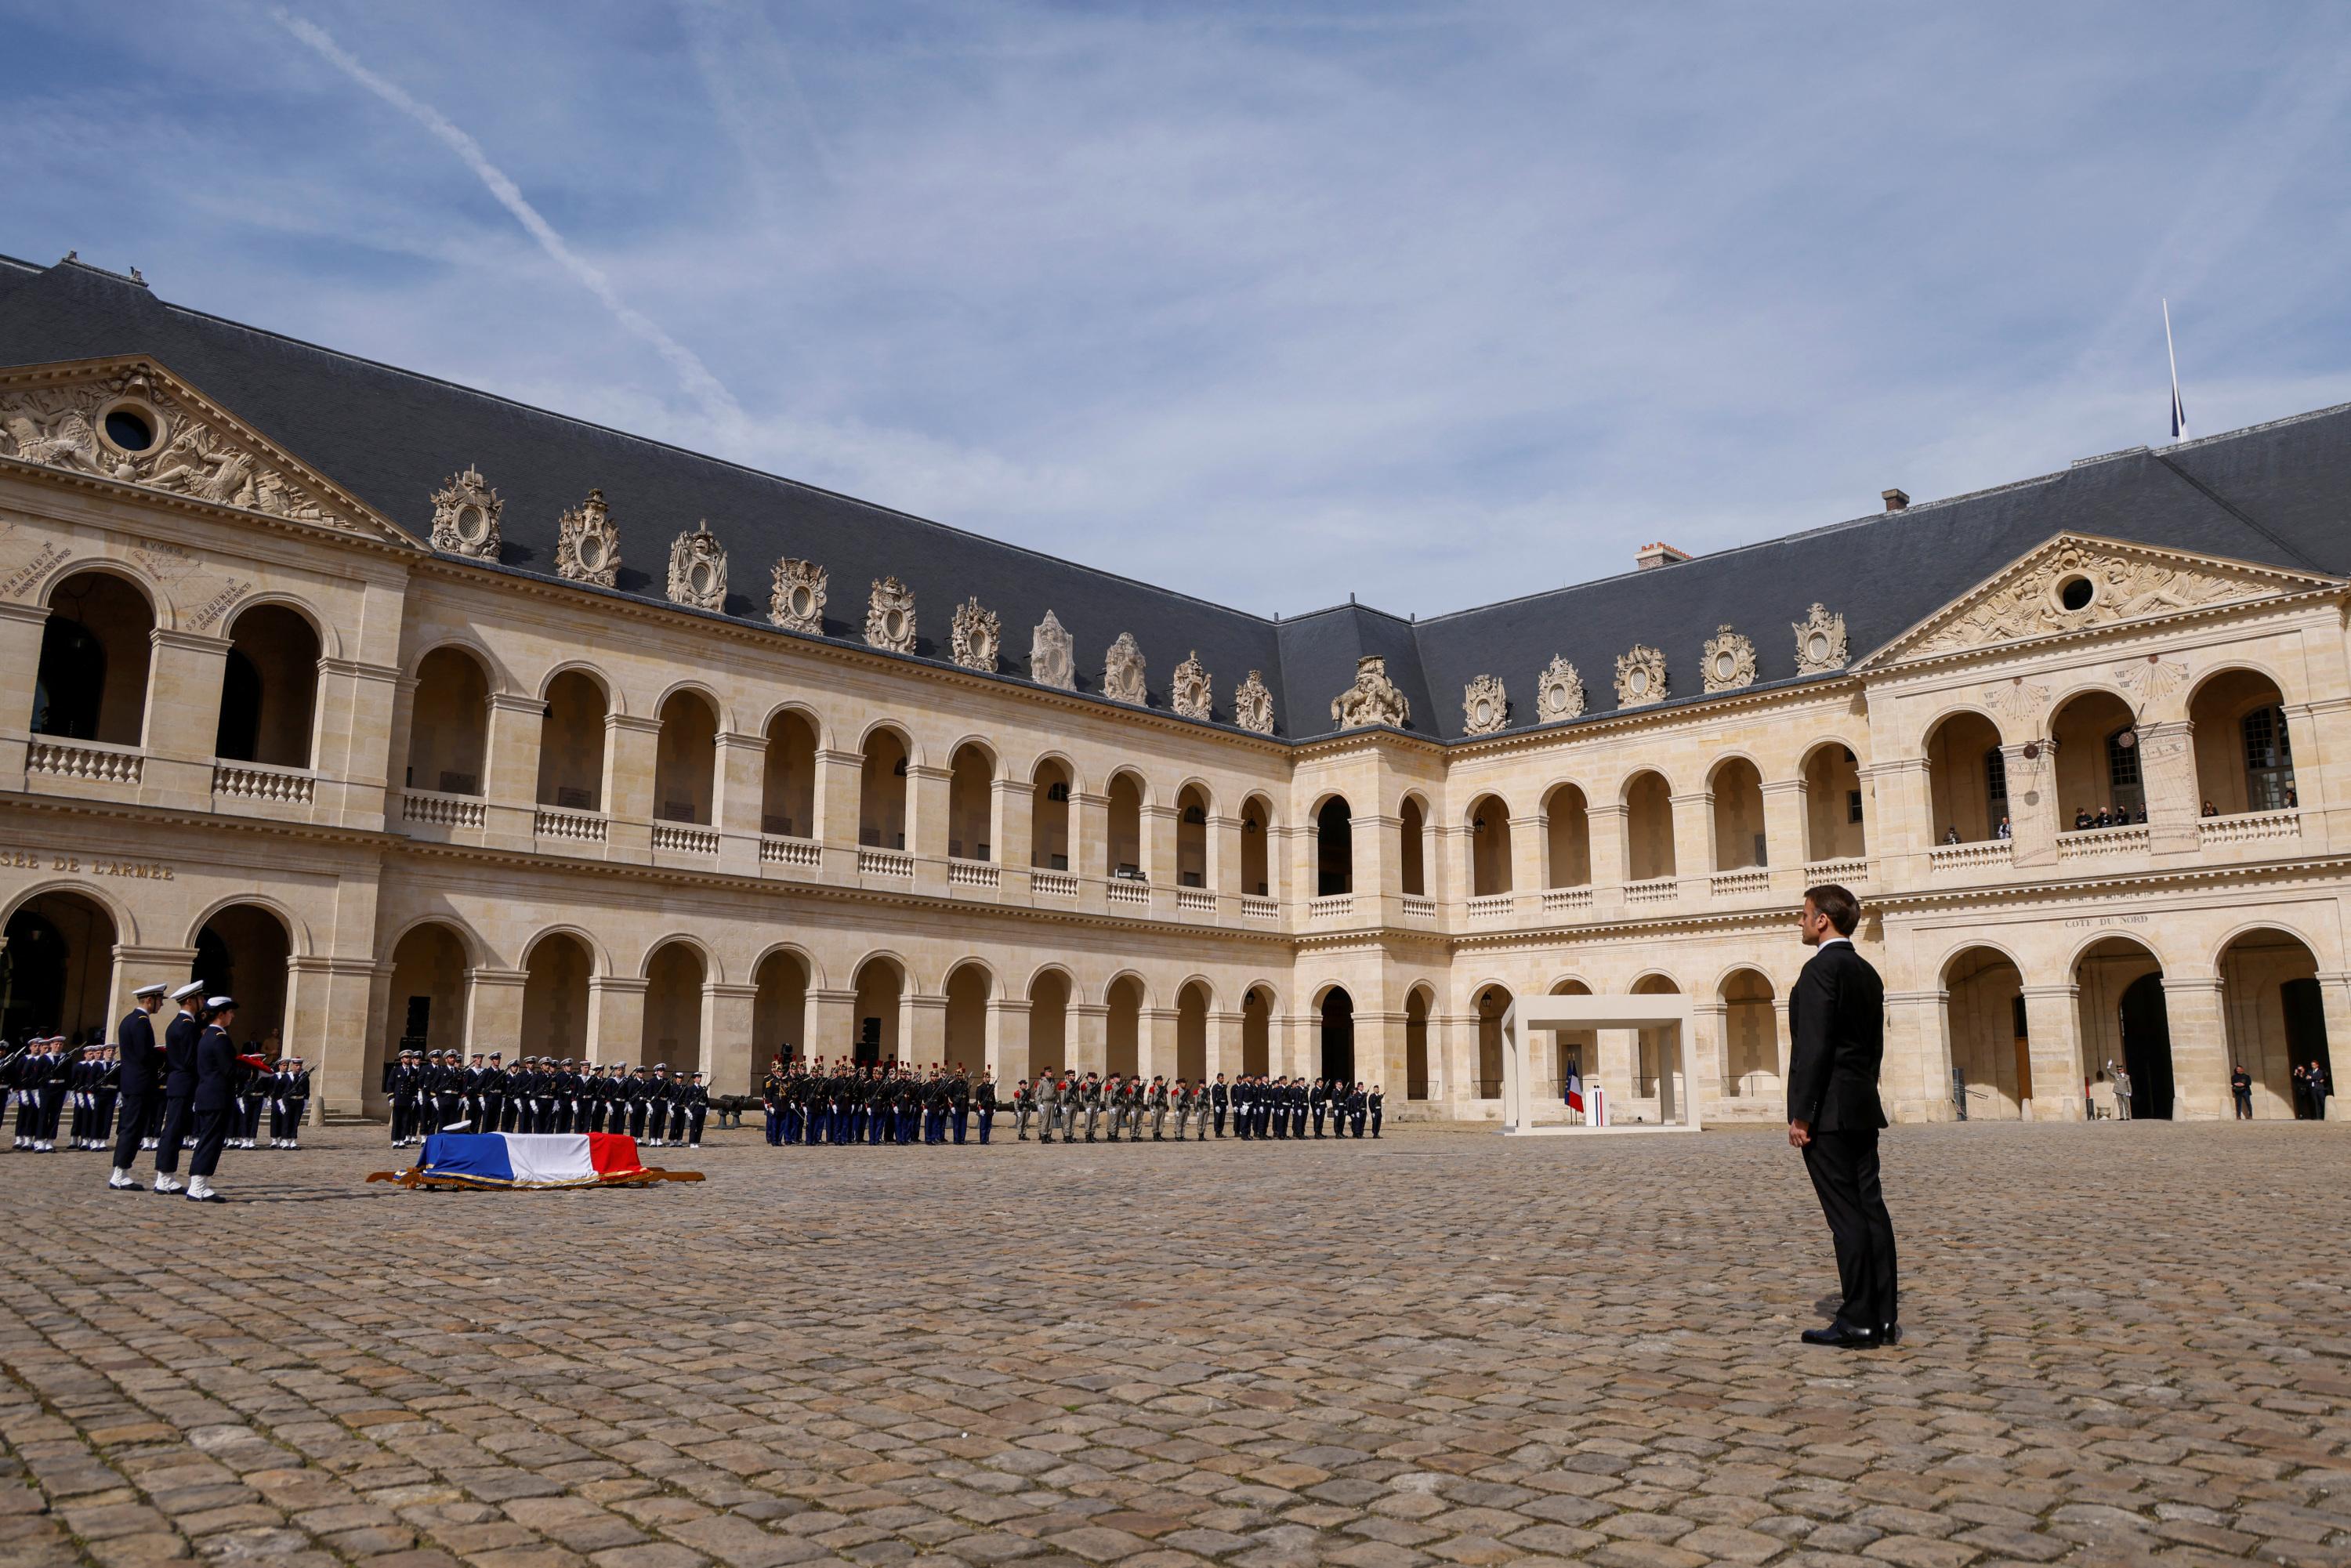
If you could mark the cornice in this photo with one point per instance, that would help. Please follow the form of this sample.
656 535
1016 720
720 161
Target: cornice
191 506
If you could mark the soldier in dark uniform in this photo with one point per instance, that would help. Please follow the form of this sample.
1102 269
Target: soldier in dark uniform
106 1092
659 1092
1318 1099
179 1065
1045 1093
298 1102
1374 1103
1358 1107
215 1099
960 1103
1220 1099
692 1106
252 1098
448 1093
493 1093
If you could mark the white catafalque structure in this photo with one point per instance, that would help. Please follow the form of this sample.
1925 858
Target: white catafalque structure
1530 1016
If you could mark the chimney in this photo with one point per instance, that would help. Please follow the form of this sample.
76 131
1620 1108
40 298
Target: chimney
1895 499
1658 554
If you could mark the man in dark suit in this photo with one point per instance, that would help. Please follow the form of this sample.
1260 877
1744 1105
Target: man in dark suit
140 1059
1836 1021
179 1037
218 1068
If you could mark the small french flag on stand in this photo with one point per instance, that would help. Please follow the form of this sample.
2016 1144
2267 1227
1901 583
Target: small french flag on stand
530 1159
1575 1092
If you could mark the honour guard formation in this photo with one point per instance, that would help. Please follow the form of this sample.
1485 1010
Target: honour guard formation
194 1090
444 1091
847 1102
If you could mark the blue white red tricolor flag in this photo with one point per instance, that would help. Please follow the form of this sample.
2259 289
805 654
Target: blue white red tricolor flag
1575 1092
530 1159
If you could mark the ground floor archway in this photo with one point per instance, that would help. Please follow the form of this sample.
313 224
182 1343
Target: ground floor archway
1493 1001
1191 1033
779 1009
2124 1021
427 1011
1338 1052
554 998
1257 1033
1416 1044
673 1032
1122 1029
56 971
242 952
966 1020
880 986
1983 1026
1048 1023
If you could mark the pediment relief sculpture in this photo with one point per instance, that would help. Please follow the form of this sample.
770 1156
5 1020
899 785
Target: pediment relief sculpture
1122 678
465 516
890 616
135 425
1729 663
796 596
1373 699
977 636
1640 676
588 543
1253 705
1558 695
1191 694
2073 583
1485 707
1821 644
1052 655
697 570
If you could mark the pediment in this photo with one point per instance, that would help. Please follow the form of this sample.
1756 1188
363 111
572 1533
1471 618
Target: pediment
2076 582
131 420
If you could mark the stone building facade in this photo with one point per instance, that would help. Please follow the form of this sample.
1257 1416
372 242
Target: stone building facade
412 715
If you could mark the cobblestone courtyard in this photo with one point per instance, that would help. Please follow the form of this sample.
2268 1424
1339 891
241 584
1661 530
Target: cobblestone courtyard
2127 1344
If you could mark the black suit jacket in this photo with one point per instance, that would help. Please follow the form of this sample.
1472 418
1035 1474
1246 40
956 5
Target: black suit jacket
216 1069
1836 1025
180 1038
137 1039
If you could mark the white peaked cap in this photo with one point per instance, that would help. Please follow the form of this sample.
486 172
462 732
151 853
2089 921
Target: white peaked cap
193 988
153 988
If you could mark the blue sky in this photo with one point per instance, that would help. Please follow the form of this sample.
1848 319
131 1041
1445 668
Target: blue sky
1429 303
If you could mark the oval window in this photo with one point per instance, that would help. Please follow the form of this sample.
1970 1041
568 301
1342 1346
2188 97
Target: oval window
1817 646
1639 683
2075 592
473 524
130 429
591 552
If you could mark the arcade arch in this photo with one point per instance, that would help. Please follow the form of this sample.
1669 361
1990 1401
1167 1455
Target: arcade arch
427 999
881 988
1192 809
686 759
1123 845
675 973
2123 1020
269 689
779 1024
966 1020
882 790
787 780
1833 809
2244 748
449 722
1257 830
2275 1017
1412 830
1567 833
1983 1023
1048 1023
1122 1034
1334 848
1966 777
1648 827
1338 1036
1738 788
1257 1032
2097 762
971 773
1416 1082
1049 816
1493 1001
1192 1032
1489 847
95 648
572 743
555 997
1750 1036
57 969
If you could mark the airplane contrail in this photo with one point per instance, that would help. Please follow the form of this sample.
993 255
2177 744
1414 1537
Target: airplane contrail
706 388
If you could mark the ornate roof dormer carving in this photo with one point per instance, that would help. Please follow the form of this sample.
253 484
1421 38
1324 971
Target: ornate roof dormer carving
588 543
796 596
890 616
1560 693
1053 654
1122 679
1253 705
1191 695
697 570
1640 676
1485 707
1373 699
978 636
1820 642
465 516
1729 663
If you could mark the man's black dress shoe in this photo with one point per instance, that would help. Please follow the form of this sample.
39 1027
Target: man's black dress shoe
1843 1335
1889 1333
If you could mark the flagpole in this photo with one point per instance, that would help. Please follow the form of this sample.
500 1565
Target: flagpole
2178 413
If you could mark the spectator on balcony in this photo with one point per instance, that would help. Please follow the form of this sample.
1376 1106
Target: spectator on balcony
2081 818
1951 834
2003 831
2210 809
2138 814
2292 799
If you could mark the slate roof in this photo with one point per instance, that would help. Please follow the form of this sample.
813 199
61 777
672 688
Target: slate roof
2278 494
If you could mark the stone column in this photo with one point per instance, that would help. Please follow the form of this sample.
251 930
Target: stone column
729 1058
832 1024
1087 1035
922 1028
740 786
326 1009
183 700
2032 805
840 777
1784 802
2053 1025
350 751
1224 1044
2166 764
510 776
1710 1055
1007 1042
2335 997
631 745
22 627
1526 846
2199 1047
494 1009
1156 1044
1089 850
1917 1071
1607 822
1784 1040
1694 842
1897 826
928 793
1011 802
616 1017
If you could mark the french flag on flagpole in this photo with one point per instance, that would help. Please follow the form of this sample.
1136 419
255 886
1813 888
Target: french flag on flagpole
1575 1092
530 1159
